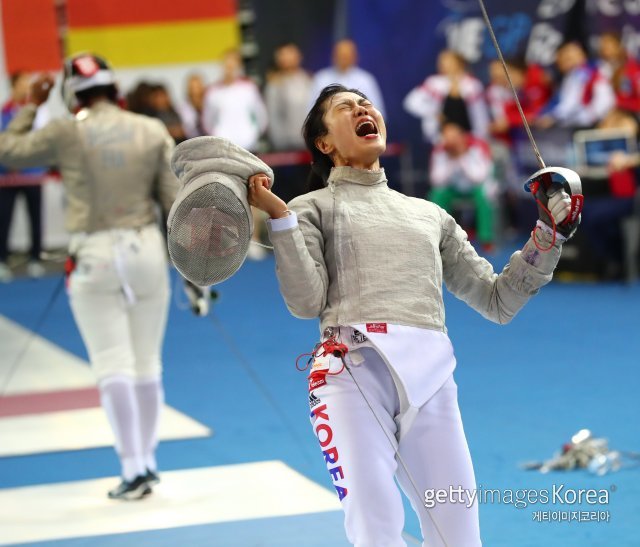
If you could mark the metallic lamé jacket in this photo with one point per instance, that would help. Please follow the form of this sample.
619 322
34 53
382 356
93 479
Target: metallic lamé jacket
362 252
114 164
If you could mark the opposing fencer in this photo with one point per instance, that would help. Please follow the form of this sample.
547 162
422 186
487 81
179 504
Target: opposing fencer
115 166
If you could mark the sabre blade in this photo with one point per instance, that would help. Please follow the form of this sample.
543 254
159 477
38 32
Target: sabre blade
487 21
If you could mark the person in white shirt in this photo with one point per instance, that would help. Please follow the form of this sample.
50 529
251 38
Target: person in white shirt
287 96
453 94
190 111
346 72
233 107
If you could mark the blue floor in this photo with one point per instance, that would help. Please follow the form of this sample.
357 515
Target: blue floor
570 360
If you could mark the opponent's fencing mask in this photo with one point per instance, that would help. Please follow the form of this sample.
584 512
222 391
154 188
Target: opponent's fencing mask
81 72
210 223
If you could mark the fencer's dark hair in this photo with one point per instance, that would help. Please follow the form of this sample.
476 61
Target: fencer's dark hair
313 128
87 96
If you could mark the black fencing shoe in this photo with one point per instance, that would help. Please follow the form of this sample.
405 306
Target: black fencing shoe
152 477
136 489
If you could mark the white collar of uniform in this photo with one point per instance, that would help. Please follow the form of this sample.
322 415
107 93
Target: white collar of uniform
365 177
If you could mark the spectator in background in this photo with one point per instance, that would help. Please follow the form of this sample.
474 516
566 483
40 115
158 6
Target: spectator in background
533 88
163 110
191 110
139 101
461 167
346 72
233 107
287 96
601 220
26 182
585 96
622 72
452 94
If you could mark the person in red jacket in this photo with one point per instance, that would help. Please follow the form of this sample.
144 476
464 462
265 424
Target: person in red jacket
622 71
533 87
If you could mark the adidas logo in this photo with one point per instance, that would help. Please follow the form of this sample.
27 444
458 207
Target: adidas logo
313 400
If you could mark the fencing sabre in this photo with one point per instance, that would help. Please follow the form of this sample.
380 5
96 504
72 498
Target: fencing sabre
548 179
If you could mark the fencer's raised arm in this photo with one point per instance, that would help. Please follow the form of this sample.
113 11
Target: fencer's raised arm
497 297
21 148
358 252
298 244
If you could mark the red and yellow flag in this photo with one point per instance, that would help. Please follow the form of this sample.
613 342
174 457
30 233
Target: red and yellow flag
30 30
152 32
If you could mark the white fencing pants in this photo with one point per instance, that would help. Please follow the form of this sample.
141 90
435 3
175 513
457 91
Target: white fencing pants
119 295
362 462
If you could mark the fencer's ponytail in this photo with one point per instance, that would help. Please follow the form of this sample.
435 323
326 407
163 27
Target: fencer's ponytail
313 128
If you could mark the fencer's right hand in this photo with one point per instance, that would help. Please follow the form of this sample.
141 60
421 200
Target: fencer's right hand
261 196
40 89
559 205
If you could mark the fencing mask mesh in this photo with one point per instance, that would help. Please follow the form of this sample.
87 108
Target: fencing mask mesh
210 223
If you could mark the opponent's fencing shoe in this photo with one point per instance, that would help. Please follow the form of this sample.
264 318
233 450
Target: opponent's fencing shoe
136 489
151 477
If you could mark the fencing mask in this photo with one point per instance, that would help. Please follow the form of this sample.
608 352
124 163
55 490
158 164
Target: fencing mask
210 223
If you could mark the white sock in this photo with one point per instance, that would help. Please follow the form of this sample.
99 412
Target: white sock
150 397
118 398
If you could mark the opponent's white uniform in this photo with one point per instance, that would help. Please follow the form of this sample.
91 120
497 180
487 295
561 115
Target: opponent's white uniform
370 263
114 166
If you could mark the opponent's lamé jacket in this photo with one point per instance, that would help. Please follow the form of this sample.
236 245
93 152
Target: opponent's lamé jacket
114 164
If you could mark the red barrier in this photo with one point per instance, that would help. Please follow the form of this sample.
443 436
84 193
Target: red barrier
303 157
17 178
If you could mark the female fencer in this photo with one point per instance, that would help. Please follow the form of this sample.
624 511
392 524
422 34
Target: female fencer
370 263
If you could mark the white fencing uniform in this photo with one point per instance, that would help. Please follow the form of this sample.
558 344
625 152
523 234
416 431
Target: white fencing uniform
119 294
359 255
115 167
412 391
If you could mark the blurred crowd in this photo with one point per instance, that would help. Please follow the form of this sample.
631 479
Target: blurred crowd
478 152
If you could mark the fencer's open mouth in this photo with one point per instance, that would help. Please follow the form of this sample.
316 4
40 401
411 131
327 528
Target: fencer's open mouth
367 128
